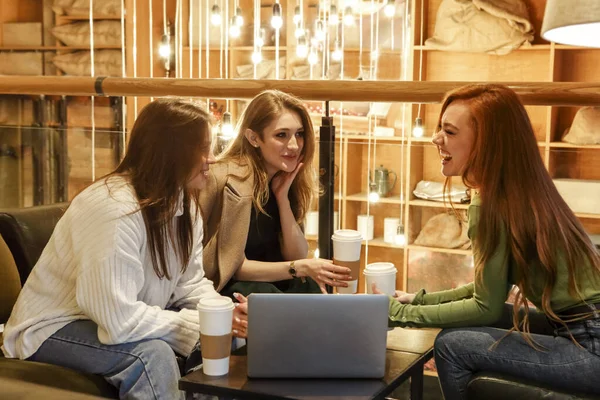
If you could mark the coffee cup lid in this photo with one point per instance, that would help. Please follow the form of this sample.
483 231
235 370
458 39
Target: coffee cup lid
379 268
346 235
216 304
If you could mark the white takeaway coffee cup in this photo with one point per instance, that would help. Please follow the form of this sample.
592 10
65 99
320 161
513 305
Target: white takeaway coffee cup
383 275
346 253
215 334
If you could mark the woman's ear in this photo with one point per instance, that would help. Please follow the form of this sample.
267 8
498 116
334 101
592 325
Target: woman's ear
252 137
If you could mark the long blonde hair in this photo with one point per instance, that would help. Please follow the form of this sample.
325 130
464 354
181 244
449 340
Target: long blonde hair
260 112
518 194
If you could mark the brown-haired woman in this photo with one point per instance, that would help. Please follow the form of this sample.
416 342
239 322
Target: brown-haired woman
259 192
115 290
523 234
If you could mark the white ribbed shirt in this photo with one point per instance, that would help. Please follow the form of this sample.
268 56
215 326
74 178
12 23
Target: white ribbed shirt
97 266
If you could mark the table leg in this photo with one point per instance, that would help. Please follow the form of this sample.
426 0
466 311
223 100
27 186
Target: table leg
416 385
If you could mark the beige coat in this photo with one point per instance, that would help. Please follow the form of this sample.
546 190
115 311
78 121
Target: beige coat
226 204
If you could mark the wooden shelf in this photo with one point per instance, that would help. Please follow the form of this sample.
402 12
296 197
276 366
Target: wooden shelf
363 197
437 204
534 47
439 250
55 48
87 17
564 145
379 242
587 215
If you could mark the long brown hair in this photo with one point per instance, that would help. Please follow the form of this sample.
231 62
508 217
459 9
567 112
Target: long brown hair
259 113
165 144
518 196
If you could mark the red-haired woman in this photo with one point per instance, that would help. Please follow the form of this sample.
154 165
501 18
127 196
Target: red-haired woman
522 234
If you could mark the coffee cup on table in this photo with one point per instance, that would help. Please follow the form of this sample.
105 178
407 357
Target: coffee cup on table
215 334
346 253
383 275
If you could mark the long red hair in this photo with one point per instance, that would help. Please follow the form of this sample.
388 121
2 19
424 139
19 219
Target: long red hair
518 195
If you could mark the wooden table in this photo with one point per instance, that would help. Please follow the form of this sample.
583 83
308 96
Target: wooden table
408 350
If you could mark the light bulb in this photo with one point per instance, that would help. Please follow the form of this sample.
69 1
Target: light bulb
348 17
373 197
276 20
164 50
317 253
301 47
227 126
297 17
256 57
239 18
400 237
215 15
234 29
319 31
390 9
260 39
313 58
299 32
333 16
336 54
418 128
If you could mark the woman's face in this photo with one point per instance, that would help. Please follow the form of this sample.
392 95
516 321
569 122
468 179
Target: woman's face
282 143
455 139
199 176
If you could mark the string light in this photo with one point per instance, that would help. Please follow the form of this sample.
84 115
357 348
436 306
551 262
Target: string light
226 126
333 15
390 9
336 54
400 237
215 15
313 58
297 17
301 47
348 17
234 28
260 40
276 20
256 57
373 195
418 128
319 31
238 17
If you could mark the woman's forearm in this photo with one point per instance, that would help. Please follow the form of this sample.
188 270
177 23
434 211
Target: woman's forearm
293 242
259 271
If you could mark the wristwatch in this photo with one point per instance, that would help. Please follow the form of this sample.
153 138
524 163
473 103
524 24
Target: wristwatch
293 272
292 269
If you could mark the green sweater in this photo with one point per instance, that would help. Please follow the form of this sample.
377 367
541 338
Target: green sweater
480 304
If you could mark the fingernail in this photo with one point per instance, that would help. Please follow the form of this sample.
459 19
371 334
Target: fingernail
236 295
236 304
237 320
235 331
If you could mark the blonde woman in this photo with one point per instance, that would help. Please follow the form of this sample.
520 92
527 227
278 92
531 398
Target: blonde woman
256 197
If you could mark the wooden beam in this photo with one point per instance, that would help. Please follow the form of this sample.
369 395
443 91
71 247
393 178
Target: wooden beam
539 93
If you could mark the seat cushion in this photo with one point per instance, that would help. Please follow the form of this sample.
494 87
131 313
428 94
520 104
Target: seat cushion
10 283
26 231
56 377
491 386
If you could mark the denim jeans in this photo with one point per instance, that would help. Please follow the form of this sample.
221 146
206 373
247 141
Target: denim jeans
462 352
147 369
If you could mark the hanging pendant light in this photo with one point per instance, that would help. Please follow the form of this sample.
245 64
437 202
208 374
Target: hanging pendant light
348 16
333 16
573 22
400 237
319 30
336 54
226 126
301 47
276 19
215 15
234 29
390 9
297 16
418 128
373 195
256 57
239 18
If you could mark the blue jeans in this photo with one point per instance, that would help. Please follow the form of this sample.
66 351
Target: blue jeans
147 369
462 352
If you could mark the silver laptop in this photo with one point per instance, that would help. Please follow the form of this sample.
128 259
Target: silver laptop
316 335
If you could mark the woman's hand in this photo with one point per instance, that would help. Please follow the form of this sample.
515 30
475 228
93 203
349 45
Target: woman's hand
400 296
324 272
282 181
240 317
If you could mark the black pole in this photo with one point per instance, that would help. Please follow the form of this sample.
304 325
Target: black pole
326 178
